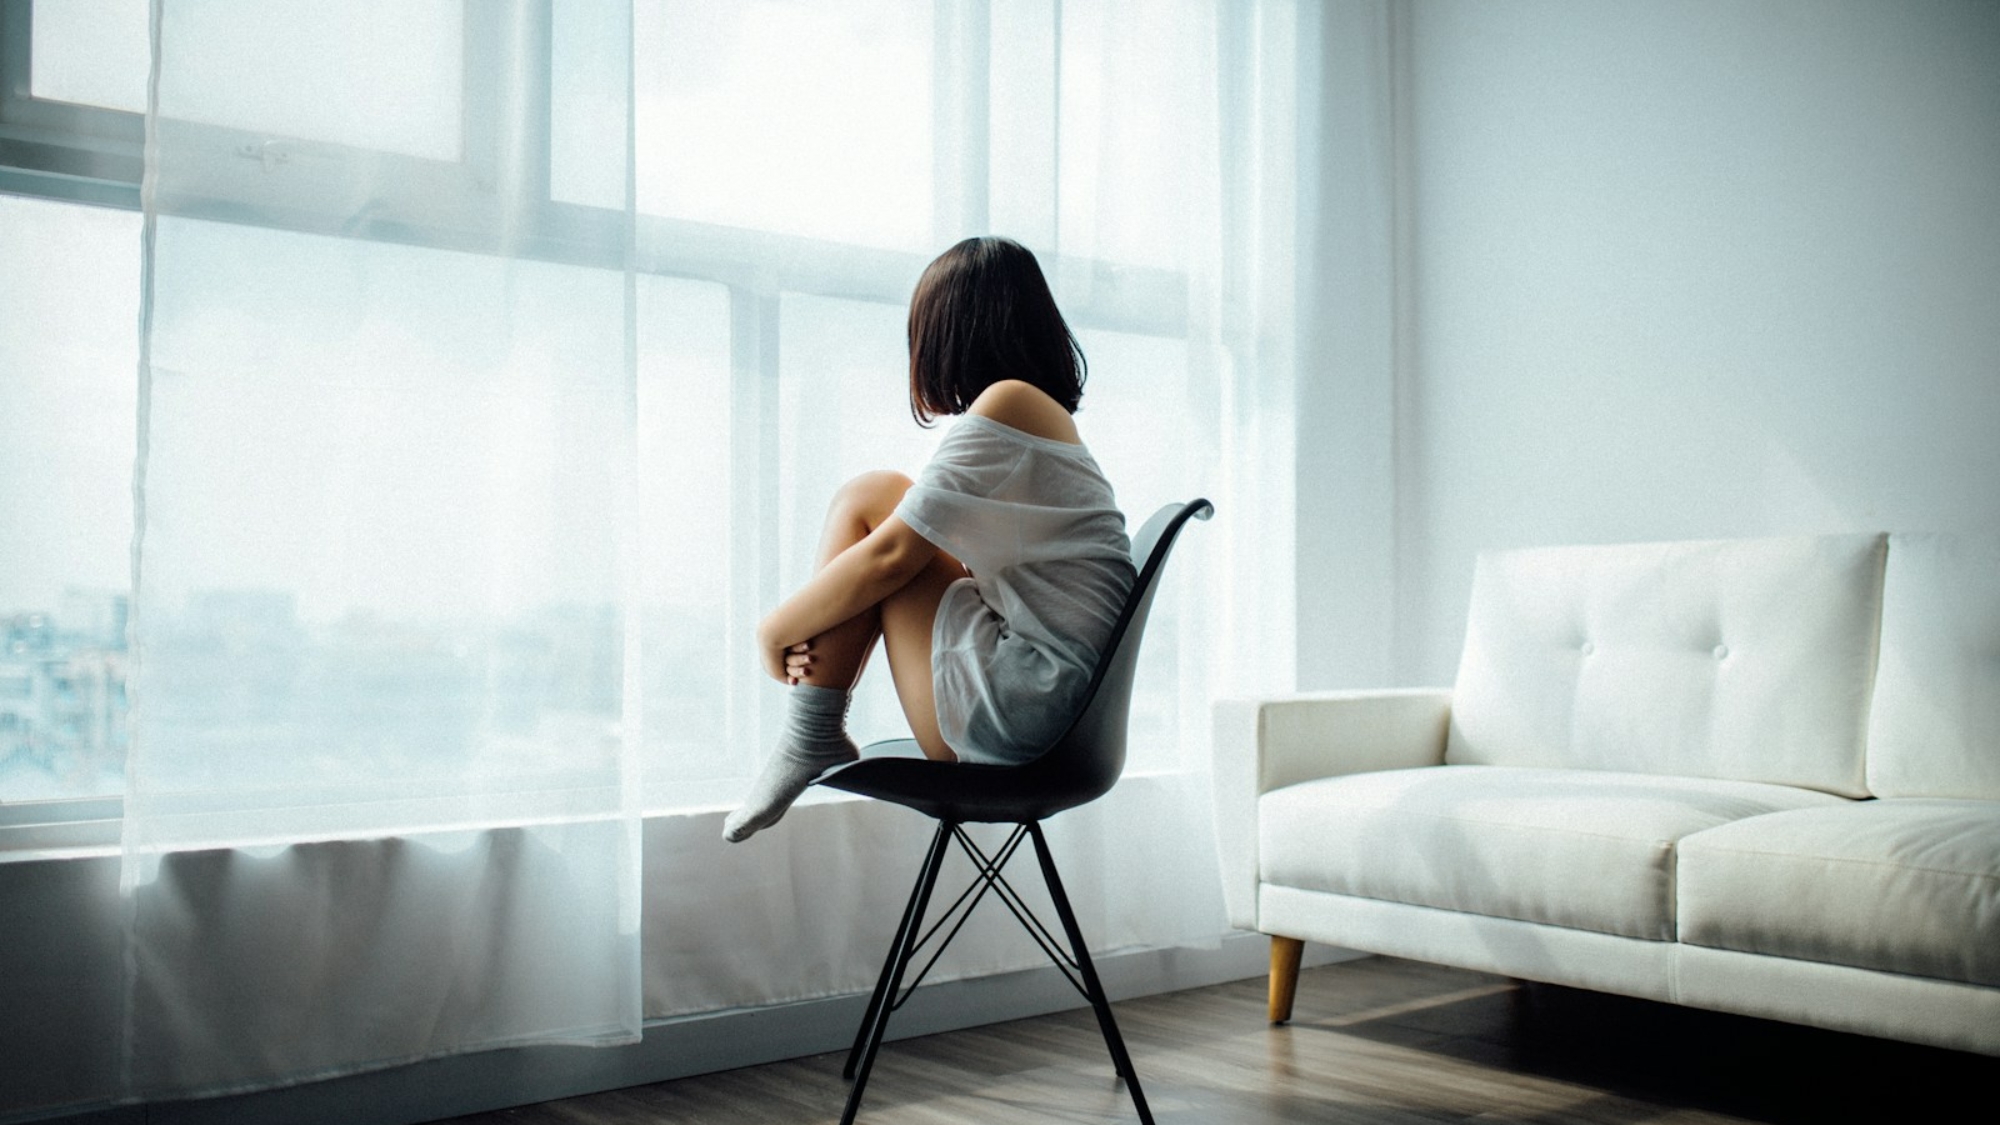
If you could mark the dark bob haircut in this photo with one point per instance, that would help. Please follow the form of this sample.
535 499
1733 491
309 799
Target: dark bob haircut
982 313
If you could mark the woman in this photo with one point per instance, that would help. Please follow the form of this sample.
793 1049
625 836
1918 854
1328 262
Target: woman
994 578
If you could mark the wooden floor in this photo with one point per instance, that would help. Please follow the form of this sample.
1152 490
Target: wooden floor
1372 1041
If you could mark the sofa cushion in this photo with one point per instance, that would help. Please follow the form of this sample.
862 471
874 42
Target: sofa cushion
1747 659
1584 849
1905 886
1935 728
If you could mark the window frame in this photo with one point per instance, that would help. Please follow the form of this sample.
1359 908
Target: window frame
63 151
57 150
96 156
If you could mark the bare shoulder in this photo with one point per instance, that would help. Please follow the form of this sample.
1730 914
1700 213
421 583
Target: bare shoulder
1028 408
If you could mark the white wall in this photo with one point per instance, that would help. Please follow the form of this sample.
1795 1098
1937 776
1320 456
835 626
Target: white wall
1691 269
1344 456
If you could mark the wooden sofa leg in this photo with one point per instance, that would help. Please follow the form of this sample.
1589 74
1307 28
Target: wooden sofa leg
1285 953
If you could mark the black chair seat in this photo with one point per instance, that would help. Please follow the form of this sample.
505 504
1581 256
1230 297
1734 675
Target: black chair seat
957 791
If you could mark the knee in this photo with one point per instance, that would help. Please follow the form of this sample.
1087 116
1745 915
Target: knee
873 495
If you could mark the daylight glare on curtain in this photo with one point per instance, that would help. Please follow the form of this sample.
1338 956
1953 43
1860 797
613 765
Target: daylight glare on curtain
497 364
384 545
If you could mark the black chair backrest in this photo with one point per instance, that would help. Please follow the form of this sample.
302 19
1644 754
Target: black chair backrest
1085 762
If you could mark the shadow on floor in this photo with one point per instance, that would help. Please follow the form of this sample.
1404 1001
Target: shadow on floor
1648 1060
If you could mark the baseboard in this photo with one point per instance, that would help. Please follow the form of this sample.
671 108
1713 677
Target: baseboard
679 1048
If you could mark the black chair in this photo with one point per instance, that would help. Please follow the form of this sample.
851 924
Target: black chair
1079 767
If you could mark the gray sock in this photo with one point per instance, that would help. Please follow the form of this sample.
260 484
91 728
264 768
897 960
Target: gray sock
814 739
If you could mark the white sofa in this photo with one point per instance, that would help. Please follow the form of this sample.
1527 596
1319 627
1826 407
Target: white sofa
1760 776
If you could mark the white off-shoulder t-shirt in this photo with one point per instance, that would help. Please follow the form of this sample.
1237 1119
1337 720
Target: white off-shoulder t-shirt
1014 646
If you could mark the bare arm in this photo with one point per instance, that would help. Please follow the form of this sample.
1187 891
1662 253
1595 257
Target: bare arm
891 555
851 582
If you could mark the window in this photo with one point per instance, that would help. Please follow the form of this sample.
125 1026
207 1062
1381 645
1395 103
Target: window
797 165
797 119
69 297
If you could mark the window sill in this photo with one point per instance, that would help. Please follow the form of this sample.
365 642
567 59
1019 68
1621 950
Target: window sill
87 828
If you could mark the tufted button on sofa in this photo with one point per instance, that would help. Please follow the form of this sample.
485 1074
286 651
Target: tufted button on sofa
1760 776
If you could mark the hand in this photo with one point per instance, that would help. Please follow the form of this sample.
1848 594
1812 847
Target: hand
798 663
787 664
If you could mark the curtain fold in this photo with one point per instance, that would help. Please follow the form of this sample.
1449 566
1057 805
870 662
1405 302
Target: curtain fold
381 799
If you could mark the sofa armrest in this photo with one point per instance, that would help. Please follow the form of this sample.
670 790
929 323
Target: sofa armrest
1269 743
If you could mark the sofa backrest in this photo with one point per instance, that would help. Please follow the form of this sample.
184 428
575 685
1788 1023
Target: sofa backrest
1746 659
1935 726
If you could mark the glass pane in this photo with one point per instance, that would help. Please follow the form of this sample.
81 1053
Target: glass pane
1021 129
588 99
390 80
782 115
381 518
69 297
93 52
1135 94
694 674
1138 419
843 410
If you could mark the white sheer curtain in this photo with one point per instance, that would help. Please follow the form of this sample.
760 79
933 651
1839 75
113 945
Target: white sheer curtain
380 799
498 363
1147 162
798 164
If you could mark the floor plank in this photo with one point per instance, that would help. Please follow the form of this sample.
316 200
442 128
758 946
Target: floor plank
1372 1042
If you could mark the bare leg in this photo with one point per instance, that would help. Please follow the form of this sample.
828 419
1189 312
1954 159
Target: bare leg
815 736
907 618
903 619
859 507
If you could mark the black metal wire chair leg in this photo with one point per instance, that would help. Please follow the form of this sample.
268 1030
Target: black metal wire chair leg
1094 989
906 944
875 1002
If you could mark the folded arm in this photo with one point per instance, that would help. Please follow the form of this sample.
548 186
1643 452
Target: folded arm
851 583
